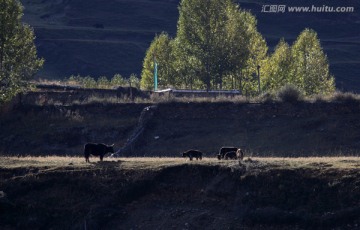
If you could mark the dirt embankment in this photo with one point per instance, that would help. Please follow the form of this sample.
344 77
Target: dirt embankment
121 195
274 129
63 130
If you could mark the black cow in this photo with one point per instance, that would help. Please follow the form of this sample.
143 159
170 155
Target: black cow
97 150
230 155
224 150
193 154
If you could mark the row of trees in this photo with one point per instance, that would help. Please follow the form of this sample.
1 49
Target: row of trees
303 64
217 46
18 56
103 82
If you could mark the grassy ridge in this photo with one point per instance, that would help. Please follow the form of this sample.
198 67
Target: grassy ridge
53 163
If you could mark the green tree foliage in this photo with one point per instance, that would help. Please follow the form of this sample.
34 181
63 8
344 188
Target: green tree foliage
212 34
257 49
199 25
160 51
89 82
239 33
277 68
215 42
103 82
217 46
18 55
134 81
303 65
74 80
310 67
118 80
184 67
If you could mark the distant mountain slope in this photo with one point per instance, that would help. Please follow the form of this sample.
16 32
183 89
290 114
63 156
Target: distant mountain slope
97 37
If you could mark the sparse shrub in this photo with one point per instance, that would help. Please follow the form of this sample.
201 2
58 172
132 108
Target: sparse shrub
88 82
290 94
103 82
134 81
75 80
118 80
266 97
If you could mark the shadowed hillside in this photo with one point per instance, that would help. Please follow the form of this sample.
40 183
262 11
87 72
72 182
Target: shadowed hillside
173 193
270 129
103 38
279 129
96 37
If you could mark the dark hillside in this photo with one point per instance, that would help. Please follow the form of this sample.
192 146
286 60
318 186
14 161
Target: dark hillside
279 129
96 37
103 38
63 130
274 129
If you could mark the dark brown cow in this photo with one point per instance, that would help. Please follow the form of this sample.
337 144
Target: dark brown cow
97 150
224 150
230 155
193 154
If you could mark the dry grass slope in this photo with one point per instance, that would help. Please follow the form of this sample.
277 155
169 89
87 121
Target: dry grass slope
157 163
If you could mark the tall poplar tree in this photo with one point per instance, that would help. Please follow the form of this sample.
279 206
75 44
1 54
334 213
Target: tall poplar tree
219 38
310 66
276 71
18 55
160 50
201 30
257 49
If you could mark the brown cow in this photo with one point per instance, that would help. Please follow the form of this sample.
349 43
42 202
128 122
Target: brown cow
240 154
233 155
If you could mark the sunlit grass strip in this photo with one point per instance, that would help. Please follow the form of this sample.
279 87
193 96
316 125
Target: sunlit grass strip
148 162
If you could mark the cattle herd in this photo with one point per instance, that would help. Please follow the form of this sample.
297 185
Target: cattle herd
226 153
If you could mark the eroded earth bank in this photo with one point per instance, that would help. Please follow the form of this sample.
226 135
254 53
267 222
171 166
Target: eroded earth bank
170 193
